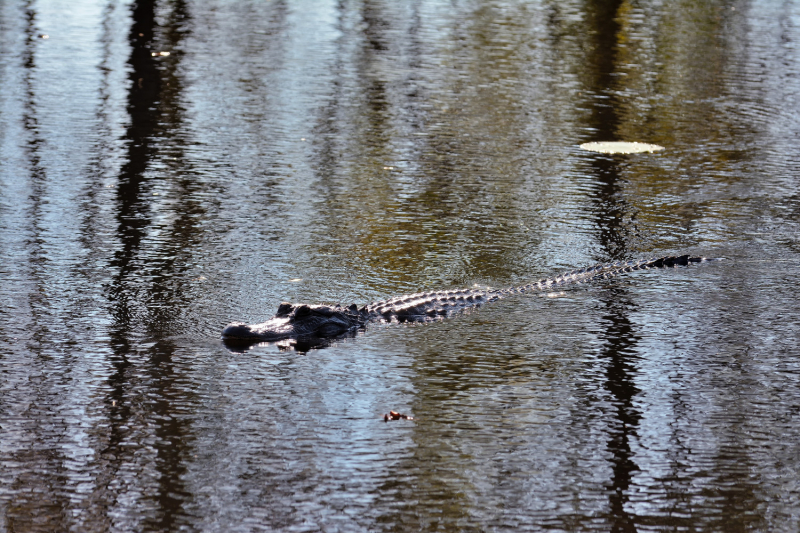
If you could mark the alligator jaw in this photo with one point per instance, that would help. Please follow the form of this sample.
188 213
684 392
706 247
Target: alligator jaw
273 329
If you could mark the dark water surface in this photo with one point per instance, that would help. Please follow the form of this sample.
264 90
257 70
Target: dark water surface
169 166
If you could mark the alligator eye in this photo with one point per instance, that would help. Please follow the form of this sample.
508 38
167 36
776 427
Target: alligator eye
324 310
284 309
301 311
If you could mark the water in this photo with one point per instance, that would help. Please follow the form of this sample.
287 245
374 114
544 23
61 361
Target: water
167 167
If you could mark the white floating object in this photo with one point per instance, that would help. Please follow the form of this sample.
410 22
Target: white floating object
621 147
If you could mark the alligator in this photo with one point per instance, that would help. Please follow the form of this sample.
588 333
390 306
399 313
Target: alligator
317 322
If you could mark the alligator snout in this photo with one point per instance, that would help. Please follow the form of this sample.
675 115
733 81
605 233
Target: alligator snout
237 330
274 329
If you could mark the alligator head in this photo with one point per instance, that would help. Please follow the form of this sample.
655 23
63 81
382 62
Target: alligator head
298 320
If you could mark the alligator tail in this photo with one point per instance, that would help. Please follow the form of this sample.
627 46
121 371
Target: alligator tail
608 270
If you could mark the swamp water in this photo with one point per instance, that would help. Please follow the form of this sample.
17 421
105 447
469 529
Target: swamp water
169 166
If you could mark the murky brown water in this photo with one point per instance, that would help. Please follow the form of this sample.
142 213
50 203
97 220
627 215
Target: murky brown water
167 167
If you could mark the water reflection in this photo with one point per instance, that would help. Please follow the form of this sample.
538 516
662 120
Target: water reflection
36 493
155 109
619 338
619 352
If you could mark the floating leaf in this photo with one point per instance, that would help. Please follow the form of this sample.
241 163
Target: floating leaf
621 147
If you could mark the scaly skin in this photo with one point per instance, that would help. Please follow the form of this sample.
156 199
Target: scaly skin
323 321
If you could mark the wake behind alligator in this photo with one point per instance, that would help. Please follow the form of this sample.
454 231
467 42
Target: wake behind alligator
298 321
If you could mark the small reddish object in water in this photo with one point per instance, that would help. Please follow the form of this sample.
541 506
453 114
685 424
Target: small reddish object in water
394 415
